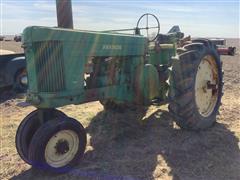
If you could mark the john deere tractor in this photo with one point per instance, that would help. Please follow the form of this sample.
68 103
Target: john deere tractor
67 66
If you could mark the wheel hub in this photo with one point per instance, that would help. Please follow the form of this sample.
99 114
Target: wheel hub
213 87
62 146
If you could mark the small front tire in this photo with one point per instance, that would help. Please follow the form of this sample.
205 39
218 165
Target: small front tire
27 129
58 145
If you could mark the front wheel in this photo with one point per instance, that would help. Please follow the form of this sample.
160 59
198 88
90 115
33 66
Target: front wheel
196 89
58 145
27 129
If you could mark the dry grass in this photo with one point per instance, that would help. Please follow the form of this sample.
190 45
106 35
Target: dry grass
140 145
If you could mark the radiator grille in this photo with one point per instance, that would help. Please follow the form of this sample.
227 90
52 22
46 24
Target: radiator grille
49 66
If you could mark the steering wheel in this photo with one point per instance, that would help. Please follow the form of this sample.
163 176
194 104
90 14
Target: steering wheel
140 26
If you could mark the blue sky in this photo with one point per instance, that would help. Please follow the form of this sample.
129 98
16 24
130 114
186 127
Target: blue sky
205 18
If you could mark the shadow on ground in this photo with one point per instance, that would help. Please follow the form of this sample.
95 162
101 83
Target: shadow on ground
126 147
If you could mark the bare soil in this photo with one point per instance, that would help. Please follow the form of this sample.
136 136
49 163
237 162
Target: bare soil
11 46
138 145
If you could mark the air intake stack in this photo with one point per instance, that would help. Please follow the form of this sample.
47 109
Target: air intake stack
64 13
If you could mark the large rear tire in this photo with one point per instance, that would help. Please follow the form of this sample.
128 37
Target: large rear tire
196 86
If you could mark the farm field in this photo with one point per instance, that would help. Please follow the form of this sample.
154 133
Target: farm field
142 145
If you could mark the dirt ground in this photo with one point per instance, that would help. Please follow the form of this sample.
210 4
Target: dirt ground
11 46
136 145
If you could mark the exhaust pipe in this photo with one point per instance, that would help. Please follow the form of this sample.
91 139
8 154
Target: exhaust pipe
64 13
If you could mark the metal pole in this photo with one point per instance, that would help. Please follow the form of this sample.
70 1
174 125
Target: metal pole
64 13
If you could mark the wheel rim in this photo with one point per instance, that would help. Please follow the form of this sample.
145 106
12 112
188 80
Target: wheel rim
61 148
206 86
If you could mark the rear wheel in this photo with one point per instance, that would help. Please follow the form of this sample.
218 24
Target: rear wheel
58 145
196 89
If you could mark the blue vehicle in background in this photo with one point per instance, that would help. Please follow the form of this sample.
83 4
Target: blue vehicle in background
13 72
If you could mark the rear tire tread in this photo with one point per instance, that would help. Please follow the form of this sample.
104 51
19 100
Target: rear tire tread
182 107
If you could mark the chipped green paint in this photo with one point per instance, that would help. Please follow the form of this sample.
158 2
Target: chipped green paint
72 67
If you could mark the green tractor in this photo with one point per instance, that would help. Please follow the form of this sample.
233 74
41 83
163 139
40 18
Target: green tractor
67 66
